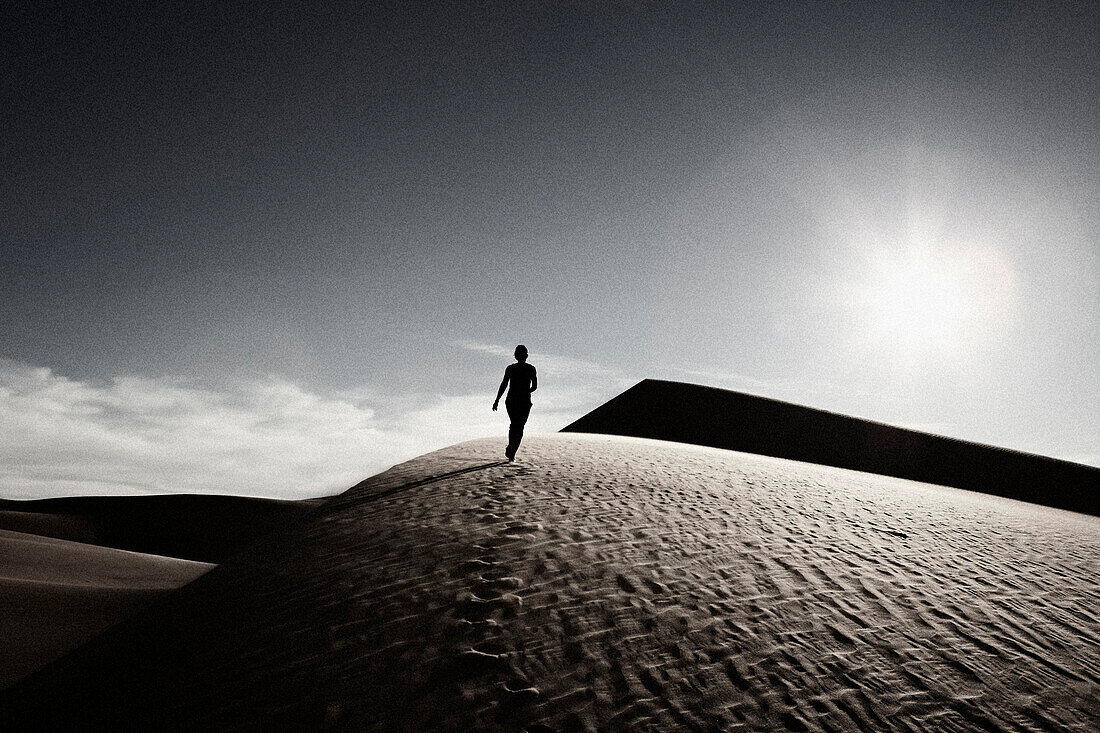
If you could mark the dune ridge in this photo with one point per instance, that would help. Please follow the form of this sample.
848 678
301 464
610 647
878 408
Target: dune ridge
691 413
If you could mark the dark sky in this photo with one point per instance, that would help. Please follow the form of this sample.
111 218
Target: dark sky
888 209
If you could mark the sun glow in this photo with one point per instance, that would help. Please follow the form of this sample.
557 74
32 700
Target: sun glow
924 302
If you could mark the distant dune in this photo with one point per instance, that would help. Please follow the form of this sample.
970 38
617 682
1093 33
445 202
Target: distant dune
72 567
690 413
56 594
203 527
614 583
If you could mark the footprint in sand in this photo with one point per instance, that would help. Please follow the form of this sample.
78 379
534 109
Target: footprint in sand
474 608
516 528
520 692
500 582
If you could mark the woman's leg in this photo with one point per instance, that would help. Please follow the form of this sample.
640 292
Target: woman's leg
518 415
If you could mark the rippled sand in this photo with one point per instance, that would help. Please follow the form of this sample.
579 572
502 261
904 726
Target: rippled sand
627 584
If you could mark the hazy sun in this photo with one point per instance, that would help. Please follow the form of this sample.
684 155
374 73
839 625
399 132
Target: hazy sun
928 302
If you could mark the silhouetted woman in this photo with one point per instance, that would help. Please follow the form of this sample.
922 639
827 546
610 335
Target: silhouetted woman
523 381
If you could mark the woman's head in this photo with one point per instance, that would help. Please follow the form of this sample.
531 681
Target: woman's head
521 353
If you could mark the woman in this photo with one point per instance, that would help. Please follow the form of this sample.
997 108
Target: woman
523 381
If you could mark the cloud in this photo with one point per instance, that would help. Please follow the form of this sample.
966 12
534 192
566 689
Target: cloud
140 435
261 437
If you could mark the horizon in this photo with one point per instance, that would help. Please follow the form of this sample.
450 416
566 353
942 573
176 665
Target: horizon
273 252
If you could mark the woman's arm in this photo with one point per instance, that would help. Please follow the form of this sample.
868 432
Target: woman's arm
503 386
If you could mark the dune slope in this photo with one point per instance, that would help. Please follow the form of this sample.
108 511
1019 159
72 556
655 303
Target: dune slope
617 584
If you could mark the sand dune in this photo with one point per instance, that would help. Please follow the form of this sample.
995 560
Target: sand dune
692 413
59 526
202 527
56 594
611 583
61 583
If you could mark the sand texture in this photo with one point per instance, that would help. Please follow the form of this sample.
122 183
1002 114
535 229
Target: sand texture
609 583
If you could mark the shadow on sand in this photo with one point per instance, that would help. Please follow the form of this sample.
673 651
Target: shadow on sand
348 501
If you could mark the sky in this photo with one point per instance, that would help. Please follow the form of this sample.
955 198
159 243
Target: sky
271 248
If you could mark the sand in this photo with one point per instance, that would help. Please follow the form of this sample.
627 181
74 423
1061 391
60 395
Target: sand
611 583
56 594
